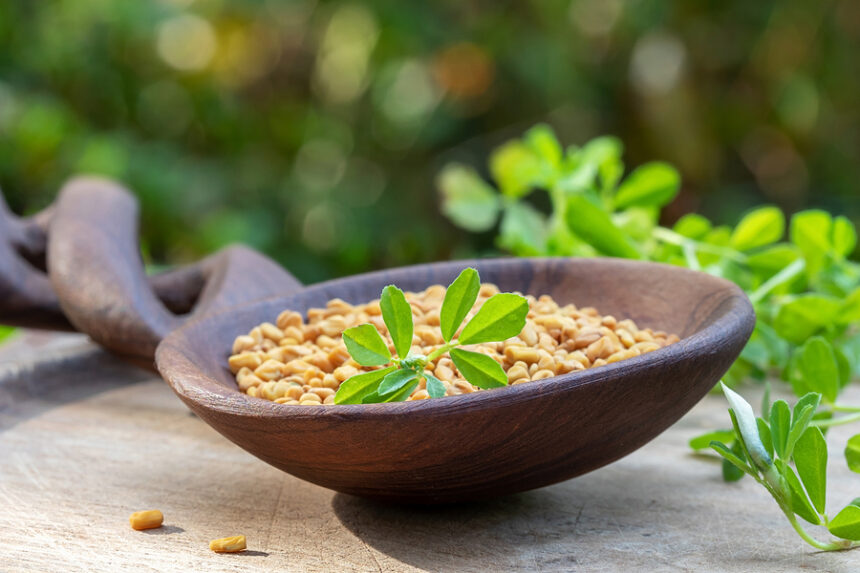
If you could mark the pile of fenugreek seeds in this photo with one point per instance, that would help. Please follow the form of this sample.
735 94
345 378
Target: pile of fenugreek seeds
304 362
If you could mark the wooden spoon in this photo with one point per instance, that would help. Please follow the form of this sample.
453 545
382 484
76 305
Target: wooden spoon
449 449
490 442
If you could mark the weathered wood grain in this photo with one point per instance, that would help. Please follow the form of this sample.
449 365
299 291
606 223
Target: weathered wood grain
87 441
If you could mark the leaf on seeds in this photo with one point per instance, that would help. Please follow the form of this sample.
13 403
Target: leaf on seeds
435 387
395 381
366 345
479 369
852 453
356 388
459 299
501 317
397 315
761 227
846 524
810 457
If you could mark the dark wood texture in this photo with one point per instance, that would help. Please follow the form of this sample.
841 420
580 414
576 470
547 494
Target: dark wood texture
100 281
492 442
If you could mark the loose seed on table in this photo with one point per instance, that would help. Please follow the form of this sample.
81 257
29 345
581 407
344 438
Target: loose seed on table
149 519
228 544
297 361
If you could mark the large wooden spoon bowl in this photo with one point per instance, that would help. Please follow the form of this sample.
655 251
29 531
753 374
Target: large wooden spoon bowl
491 442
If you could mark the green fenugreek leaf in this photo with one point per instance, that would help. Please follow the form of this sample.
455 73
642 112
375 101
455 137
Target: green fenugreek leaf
467 199
592 224
501 317
798 426
479 369
800 503
651 185
780 423
810 457
761 227
397 315
731 473
434 386
748 428
764 434
366 345
811 399
732 458
819 368
356 388
852 453
846 524
704 441
395 381
459 299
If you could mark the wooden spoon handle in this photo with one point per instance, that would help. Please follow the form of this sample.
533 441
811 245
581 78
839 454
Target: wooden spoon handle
100 282
26 296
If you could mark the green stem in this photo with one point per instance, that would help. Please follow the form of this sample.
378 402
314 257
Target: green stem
673 238
441 350
844 408
779 278
837 421
832 546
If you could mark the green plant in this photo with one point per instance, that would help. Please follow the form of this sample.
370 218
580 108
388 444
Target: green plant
805 289
499 318
6 332
786 453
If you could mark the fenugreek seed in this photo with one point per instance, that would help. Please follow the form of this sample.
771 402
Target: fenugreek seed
522 380
310 403
310 396
243 343
625 337
522 353
149 519
420 395
529 335
248 381
250 360
288 319
344 372
443 372
541 374
253 392
294 392
329 381
269 370
323 393
648 346
270 331
583 340
228 544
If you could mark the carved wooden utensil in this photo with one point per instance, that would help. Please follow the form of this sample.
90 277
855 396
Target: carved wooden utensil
491 442
442 450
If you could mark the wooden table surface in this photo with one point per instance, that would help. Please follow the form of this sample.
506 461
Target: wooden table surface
86 440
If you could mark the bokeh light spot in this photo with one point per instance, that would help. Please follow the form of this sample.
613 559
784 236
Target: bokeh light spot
186 42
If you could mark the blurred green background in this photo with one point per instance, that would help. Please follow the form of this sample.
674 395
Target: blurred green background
314 130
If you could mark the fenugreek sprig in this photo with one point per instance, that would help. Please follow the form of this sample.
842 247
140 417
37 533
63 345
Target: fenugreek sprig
499 318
